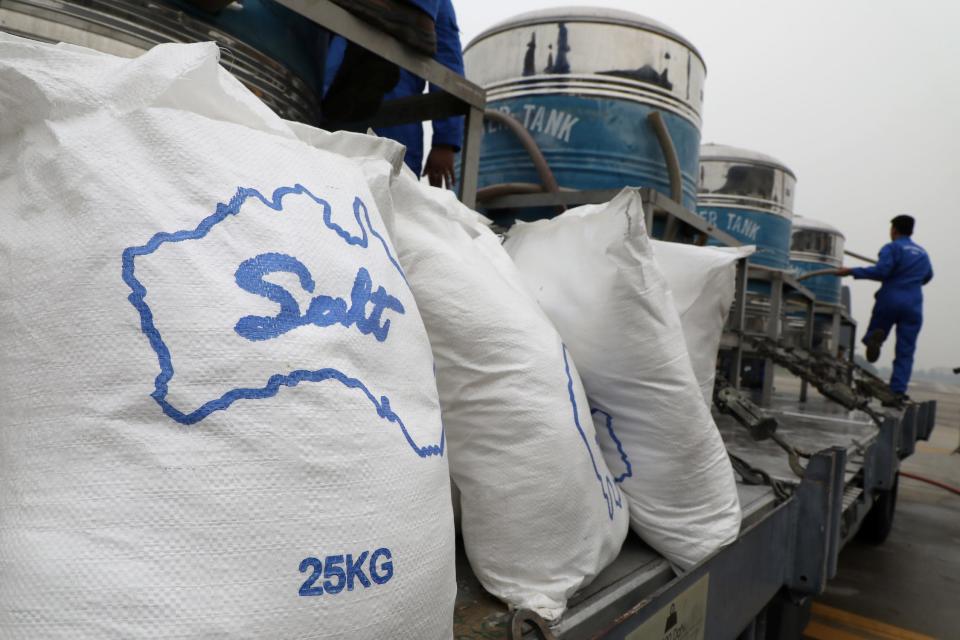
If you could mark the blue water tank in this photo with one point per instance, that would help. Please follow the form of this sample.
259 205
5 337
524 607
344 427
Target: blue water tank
582 81
254 38
816 246
750 196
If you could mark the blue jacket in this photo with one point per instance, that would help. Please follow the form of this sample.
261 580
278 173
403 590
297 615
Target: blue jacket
448 131
903 268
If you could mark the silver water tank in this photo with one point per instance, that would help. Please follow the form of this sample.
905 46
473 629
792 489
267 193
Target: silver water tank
130 27
750 196
582 81
815 246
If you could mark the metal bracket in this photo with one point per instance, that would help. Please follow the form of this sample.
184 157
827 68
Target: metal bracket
731 401
881 468
661 204
817 522
926 419
540 627
923 417
908 431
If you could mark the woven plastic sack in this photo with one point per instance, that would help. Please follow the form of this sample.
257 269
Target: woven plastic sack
593 271
702 282
219 416
540 512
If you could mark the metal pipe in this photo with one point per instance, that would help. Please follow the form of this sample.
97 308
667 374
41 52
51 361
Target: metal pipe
547 179
673 170
507 189
669 155
858 256
820 272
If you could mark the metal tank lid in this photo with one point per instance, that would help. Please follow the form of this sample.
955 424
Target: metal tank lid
719 152
585 14
801 223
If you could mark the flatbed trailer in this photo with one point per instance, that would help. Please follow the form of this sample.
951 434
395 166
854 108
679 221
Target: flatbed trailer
793 527
759 586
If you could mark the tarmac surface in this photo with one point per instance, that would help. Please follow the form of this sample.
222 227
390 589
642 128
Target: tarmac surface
908 587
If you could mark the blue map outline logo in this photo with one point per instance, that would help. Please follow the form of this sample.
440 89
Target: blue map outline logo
608 422
611 492
274 383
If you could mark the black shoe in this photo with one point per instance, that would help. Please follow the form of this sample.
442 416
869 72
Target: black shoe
873 341
403 21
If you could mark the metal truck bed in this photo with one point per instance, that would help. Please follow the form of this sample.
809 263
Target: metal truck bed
786 551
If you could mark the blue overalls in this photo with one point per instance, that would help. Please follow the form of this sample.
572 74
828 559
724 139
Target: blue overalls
903 268
448 131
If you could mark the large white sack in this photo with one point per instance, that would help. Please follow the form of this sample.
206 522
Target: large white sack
541 514
592 270
191 446
702 281
380 159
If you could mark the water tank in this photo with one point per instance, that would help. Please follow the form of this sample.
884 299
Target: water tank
750 196
582 81
130 27
815 246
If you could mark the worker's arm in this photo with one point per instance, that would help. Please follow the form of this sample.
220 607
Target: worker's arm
929 275
448 132
884 267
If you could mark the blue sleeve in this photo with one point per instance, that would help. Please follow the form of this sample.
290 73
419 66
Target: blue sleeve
448 131
334 58
929 275
884 267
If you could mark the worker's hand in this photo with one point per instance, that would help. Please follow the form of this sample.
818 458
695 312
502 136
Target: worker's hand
439 167
844 271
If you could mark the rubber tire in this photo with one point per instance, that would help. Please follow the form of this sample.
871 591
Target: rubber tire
877 525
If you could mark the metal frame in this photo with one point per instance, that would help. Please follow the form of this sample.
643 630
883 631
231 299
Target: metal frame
790 549
792 546
782 286
736 324
655 204
459 96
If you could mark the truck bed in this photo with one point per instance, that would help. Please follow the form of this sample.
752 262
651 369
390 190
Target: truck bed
778 544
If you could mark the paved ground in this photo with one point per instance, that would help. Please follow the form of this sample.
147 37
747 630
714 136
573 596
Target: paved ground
909 587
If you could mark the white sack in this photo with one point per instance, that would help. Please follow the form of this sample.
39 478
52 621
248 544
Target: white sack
541 515
592 270
185 437
703 283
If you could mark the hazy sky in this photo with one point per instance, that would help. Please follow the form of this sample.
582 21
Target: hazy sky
860 98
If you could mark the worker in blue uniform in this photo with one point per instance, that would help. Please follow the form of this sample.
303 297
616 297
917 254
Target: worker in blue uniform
903 268
448 132
354 81
301 44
